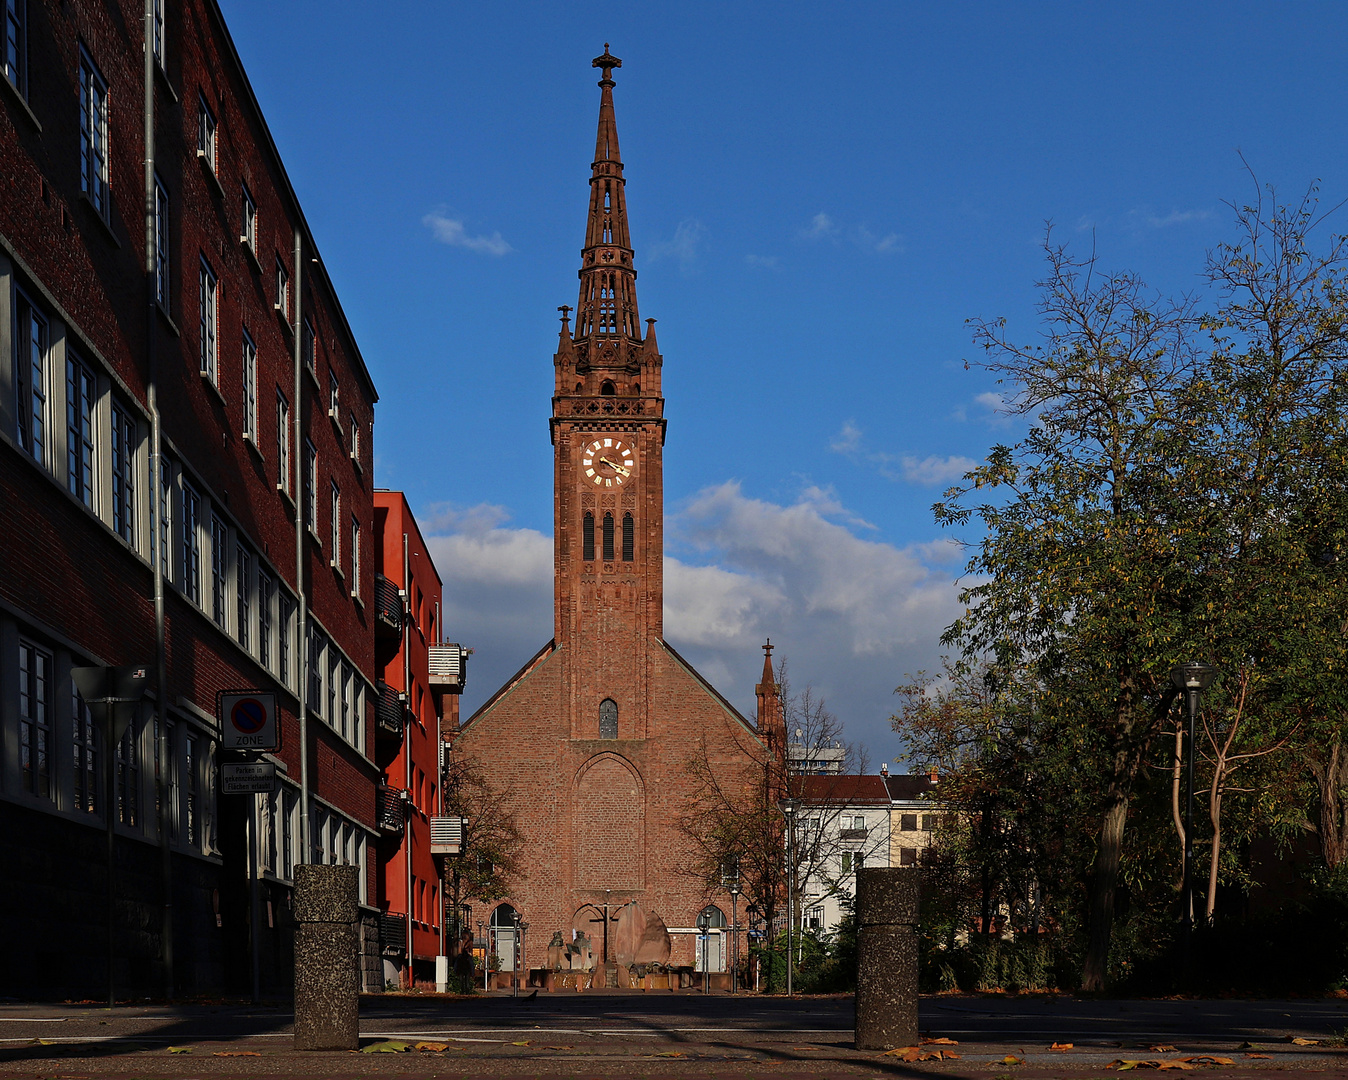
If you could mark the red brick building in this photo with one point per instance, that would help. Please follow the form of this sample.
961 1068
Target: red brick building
419 683
177 383
594 735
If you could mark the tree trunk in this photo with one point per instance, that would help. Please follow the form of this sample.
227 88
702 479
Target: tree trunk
1216 814
1176 771
1103 883
1332 828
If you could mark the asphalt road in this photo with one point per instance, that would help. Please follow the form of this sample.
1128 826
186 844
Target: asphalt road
617 1033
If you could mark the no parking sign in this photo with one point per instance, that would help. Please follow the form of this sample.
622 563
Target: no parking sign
248 720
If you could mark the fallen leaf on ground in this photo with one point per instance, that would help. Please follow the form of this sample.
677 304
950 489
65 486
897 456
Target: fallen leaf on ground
1259 1055
434 1047
1162 1048
941 1042
1123 1064
559 1048
388 1046
41 1042
1297 1040
907 1053
236 1053
949 1054
1061 1046
523 1042
1011 1059
180 1049
671 1054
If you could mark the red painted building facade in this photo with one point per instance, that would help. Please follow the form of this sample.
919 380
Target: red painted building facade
419 683
157 443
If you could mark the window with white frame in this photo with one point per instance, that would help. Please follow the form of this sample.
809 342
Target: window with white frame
346 703
249 389
124 474
206 133
191 544
192 766
32 371
243 613
285 621
84 754
311 486
335 531
93 135
355 440
266 596
249 234
208 291
282 442
355 558
81 397
219 570
16 44
158 41
334 709
162 266
172 742
282 302
334 397
309 349
35 720
316 648
128 777
166 508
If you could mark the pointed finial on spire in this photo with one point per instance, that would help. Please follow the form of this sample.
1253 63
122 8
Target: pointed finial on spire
768 679
607 63
565 309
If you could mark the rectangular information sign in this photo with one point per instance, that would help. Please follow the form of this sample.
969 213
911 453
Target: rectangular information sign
253 777
248 720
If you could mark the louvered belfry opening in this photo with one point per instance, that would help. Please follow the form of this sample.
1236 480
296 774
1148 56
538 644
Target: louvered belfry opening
629 538
608 537
587 537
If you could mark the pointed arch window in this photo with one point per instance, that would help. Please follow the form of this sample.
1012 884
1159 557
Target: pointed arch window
587 537
629 538
608 719
608 537
607 389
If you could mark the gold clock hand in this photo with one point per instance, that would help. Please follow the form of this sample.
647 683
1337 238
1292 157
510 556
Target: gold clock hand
616 467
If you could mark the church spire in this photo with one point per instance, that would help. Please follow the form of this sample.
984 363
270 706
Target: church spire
608 326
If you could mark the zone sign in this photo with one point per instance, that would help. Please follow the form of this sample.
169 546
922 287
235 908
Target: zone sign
248 720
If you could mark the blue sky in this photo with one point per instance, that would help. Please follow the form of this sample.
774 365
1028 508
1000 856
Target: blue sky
820 197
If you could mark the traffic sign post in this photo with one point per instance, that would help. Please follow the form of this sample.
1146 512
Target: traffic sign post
248 720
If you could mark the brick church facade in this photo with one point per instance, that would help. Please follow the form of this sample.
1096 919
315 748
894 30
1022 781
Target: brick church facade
594 735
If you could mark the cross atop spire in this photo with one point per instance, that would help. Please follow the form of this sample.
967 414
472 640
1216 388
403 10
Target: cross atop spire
608 62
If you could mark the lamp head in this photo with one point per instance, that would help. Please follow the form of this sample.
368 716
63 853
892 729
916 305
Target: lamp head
788 807
1193 676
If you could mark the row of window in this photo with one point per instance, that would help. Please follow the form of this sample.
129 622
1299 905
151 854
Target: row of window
61 756
336 690
629 537
337 841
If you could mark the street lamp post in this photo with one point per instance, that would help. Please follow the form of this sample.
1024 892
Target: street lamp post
751 912
704 938
788 808
1192 678
734 936
486 967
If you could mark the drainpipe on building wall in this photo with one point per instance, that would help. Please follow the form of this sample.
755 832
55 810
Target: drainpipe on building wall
407 751
300 455
162 763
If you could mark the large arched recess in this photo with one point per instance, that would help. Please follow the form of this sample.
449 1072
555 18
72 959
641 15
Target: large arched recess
609 824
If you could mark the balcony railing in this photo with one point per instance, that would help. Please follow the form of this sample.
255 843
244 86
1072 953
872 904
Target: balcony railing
447 835
448 668
389 609
392 933
388 711
390 809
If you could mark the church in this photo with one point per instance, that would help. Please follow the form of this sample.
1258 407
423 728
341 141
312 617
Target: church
594 735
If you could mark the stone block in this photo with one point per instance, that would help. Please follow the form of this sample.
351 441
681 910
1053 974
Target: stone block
887 958
327 976
326 894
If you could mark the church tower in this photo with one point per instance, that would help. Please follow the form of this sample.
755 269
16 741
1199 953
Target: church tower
608 433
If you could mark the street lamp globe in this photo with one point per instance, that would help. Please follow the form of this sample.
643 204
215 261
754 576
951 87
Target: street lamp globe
1193 676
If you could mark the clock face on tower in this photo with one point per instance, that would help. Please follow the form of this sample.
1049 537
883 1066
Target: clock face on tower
608 462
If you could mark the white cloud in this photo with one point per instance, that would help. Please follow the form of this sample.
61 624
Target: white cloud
683 247
935 470
853 615
1152 220
928 471
823 227
451 231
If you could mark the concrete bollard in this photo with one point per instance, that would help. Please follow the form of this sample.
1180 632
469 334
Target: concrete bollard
327 1001
886 1002
442 974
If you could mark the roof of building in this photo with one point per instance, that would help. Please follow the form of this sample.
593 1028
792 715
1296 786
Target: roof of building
843 788
911 786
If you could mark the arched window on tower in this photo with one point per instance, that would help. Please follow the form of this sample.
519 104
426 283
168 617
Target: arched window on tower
608 719
587 537
629 538
607 388
608 537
